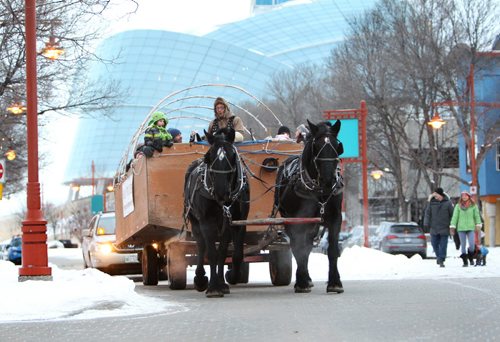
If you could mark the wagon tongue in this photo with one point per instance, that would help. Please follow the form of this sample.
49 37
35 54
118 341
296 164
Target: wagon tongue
276 221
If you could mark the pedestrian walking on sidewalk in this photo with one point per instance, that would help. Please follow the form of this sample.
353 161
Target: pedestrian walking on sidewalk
437 219
465 219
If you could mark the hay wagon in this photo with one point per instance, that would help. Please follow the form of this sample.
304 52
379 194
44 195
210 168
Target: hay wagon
149 212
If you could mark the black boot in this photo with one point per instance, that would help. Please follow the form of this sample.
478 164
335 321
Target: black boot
464 258
470 255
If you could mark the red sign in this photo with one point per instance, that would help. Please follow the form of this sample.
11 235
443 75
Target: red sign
2 170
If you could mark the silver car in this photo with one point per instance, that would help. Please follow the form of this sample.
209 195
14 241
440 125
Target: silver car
406 238
99 249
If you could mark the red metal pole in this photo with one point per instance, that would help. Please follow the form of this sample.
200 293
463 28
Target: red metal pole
472 147
34 240
364 163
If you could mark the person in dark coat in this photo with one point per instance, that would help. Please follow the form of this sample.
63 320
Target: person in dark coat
437 217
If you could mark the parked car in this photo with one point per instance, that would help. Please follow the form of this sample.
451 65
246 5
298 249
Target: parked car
406 238
99 249
14 251
323 243
357 236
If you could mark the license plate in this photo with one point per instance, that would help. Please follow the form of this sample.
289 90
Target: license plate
131 258
407 239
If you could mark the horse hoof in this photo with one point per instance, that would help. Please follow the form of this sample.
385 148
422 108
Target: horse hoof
200 283
214 294
299 289
225 289
334 288
310 283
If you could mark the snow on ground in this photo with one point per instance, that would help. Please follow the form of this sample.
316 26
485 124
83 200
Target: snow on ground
89 293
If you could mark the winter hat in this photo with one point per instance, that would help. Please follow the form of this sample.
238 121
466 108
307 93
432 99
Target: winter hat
174 132
439 191
283 130
467 193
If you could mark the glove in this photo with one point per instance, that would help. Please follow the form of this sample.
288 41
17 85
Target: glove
169 143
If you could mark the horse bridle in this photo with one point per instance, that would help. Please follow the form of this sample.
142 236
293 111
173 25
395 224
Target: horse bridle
313 184
209 170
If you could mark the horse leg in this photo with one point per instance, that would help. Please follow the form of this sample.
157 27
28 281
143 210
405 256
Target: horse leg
200 279
300 250
233 276
221 260
213 285
334 283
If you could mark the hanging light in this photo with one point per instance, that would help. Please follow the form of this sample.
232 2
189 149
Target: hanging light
16 108
376 174
10 154
52 50
436 122
110 188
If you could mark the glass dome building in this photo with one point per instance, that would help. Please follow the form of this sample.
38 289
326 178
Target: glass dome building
151 64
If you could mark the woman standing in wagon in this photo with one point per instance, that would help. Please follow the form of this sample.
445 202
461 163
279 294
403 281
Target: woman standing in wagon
465 218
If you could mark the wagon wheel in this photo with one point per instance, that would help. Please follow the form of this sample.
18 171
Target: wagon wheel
149 262
280 267
244 273
176 267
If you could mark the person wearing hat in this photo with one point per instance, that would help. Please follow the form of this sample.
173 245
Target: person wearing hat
301 133
156 135
224 118
465 219
176 135
437 218
283 134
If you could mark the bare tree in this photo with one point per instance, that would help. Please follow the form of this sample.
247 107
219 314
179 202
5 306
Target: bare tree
398 58
62 86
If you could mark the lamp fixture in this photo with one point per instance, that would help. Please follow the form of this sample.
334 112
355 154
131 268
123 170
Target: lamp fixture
52 50
376 174
16 108
110 188
436 122
75 187
10 154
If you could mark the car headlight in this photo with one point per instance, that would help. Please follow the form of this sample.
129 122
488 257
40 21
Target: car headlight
104 248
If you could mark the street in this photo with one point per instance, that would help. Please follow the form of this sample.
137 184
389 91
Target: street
369 310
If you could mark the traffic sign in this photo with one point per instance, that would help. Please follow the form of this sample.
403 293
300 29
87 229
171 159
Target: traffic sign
2 170
473 190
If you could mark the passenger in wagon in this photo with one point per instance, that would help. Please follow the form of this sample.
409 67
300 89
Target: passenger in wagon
156 135
176 135
224 118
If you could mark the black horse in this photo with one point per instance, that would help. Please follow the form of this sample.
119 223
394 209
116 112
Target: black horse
216 191
310 185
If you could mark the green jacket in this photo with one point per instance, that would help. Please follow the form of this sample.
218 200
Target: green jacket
465 219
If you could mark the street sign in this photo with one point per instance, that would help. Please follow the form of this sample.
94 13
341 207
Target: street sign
2 170
473 190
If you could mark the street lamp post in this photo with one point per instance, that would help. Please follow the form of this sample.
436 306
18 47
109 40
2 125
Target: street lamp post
34 246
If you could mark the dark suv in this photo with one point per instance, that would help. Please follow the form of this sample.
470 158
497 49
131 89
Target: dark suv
406 238
14 251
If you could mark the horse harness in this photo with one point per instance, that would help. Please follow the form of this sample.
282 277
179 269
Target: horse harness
204 171
306 186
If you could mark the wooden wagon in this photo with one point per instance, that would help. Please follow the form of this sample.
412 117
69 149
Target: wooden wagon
149 211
